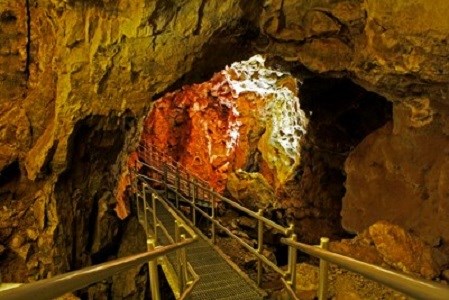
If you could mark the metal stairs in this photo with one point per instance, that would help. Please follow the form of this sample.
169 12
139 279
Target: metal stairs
217 278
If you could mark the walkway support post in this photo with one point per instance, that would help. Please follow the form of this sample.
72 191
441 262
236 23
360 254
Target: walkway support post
259 245
212 229
194 203
178 185
154 279
155 224
178 254
292 256
136 193
165 180
183 278
145 210
324 271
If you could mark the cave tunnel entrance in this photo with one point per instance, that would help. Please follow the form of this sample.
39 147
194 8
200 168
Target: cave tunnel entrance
341 114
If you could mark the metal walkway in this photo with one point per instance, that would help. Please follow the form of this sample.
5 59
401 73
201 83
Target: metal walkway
218 280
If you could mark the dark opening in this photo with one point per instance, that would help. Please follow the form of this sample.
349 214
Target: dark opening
341 114
7 17
96 144
10 173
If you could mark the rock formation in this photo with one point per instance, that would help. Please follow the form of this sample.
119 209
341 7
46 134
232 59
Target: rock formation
77 77
246 117
399 50
389 245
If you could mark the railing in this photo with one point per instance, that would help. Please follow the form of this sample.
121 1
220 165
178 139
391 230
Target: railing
189 188
172 172
186 276
417 288
174 178
65 283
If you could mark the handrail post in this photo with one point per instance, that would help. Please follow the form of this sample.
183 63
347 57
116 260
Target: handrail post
178 182
212 229
145 211
259 246
292 256
189 192
136 193
178 254
183 278
194 203
154 279
155 223
324 270
165 180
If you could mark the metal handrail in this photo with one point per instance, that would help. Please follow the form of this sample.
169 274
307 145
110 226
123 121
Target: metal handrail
173 173
417 288
185 285
65 283
167 160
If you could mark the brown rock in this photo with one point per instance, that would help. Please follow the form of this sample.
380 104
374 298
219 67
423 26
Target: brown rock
445 275
131 284
246 116
14 134
402 172
252 190
69 63
405 251
248 223
352 248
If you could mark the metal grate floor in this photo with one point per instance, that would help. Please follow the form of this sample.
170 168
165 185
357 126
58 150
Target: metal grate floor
218 280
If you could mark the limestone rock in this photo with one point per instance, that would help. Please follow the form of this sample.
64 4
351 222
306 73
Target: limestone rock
388 245
399 50
106 227
358 249
131 284
405 251
13 55
64 64
381 42
14 133
251 189
246 116
402 172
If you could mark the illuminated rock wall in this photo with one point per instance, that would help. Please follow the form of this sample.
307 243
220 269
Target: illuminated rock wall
399 50
75 76
246 117
83 72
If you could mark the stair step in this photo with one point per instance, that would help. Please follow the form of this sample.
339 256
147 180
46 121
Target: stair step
223 292
203 259
216 284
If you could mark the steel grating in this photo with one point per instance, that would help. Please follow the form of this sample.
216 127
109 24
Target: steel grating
218 280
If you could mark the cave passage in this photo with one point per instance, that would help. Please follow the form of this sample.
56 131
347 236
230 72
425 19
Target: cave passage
341 114
222 136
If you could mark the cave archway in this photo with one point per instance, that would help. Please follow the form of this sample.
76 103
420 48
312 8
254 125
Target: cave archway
341 114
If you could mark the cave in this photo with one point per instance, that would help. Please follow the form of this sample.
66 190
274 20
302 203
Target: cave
366 165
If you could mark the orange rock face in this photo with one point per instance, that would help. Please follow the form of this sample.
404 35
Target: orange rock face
196 126
217 127
387 244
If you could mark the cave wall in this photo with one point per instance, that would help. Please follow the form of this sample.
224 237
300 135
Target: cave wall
62 62
399 50
76 73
